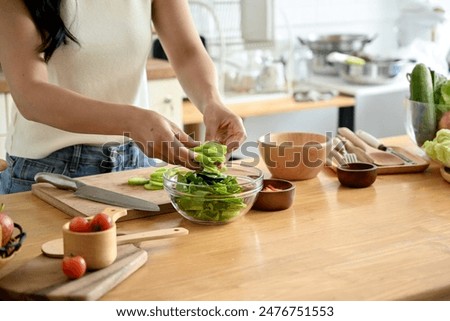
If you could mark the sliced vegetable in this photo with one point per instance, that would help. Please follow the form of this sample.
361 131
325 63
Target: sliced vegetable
138 181
211 156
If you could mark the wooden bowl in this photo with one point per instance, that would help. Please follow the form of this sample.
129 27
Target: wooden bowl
357 175
275 200
294 155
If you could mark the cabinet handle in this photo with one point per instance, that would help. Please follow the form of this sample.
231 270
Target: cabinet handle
167 100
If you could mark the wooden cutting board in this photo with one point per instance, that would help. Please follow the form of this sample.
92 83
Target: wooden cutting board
42 278
118 182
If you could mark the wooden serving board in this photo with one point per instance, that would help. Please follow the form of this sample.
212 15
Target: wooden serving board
419 166
68 203
42 278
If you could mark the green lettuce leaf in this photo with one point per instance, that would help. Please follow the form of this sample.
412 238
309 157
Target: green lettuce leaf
438 149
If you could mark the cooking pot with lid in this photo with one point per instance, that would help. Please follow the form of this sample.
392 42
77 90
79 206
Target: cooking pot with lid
322 45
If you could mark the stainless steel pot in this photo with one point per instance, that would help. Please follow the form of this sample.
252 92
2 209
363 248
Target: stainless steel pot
373 72
322 45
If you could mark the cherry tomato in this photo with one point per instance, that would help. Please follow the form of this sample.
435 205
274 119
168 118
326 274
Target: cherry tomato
79 224
101 222
74 267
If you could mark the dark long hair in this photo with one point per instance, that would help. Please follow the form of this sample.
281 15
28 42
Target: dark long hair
46 15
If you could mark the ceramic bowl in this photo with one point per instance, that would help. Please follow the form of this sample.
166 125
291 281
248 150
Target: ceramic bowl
276 195
202 204
357 175
294 155
8 252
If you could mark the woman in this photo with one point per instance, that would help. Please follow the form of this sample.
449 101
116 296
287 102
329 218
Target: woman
76 71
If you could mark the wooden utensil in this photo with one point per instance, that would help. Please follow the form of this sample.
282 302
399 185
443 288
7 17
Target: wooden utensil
55 248
377 157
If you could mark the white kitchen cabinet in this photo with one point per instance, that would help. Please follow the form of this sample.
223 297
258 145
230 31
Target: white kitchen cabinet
166 98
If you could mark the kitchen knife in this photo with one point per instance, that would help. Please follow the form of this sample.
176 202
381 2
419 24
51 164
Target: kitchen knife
95 193
374 142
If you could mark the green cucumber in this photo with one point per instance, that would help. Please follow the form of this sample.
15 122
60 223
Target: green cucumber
138 180
421 84
422 91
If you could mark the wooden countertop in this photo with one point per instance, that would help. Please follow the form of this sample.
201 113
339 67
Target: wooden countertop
386 242
156 69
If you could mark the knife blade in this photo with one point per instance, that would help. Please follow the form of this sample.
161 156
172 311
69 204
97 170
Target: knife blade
374 142
94 193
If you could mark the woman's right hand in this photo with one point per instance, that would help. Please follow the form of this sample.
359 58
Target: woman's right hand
161 138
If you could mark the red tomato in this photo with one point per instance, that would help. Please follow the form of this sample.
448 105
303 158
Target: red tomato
74 267
101 222
79 224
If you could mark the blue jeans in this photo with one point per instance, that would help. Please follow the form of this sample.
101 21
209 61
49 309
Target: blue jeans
73 161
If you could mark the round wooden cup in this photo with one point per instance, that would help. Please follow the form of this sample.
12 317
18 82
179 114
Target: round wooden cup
99 249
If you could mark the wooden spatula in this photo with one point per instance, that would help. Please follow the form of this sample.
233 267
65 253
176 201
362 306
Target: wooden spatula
377 156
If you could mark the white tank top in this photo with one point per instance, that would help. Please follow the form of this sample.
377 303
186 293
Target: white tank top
109 65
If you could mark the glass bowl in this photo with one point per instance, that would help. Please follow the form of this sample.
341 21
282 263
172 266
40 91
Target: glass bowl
208 203
422 120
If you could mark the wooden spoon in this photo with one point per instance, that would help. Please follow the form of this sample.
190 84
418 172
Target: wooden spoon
378 157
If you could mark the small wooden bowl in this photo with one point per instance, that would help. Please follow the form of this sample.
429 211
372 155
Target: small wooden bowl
357 175
277 200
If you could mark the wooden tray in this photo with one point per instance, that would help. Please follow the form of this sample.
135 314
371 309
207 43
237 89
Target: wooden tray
419 166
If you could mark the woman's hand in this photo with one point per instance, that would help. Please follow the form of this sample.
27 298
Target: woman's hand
224 126
160 138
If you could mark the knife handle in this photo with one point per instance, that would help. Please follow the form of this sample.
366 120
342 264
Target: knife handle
57 180
371 140
351 136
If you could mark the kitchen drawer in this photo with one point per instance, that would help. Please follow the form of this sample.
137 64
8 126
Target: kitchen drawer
166 97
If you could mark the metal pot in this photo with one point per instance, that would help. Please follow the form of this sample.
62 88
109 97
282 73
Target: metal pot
373 72
322 45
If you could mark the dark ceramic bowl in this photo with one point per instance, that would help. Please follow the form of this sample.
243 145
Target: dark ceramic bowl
357 175
275 200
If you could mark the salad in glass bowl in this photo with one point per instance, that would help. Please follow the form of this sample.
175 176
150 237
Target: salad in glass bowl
213 199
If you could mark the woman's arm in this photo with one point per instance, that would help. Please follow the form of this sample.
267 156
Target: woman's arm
40 101
195 70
